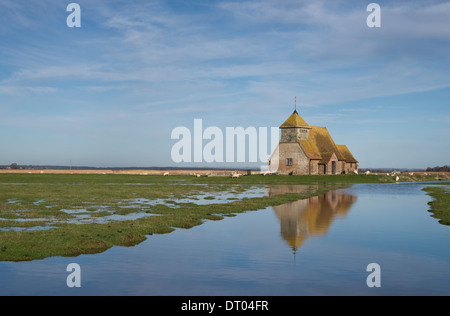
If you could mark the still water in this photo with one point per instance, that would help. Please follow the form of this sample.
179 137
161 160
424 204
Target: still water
318 246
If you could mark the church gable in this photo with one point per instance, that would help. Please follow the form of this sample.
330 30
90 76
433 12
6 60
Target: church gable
292 159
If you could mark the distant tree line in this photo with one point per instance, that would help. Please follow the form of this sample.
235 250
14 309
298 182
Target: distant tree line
445 168
13 166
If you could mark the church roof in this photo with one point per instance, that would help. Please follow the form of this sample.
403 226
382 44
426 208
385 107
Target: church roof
321 142
310 149
295 120
346 153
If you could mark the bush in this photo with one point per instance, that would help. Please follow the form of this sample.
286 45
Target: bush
445 168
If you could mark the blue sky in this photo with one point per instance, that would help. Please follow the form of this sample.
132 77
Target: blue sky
109 94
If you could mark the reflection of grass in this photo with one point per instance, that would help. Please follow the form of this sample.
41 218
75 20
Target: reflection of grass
440 206
40 198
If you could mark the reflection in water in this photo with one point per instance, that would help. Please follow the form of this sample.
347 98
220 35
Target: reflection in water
388 225
273 190
309 217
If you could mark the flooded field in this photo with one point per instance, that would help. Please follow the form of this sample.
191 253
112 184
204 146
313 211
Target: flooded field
127 206
68 215
321 245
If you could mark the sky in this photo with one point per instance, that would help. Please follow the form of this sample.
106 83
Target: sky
110 93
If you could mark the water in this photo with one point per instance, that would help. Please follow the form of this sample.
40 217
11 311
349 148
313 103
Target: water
319 246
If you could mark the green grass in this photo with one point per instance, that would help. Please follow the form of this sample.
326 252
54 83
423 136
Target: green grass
440 205
30 201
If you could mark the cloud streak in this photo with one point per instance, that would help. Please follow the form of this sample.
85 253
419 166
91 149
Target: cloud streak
150 43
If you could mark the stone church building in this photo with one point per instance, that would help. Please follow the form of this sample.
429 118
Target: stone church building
305 149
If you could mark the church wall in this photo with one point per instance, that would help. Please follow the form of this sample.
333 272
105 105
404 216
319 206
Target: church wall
314 166
344 168
322 169
300 162
337 168
293 134
340 167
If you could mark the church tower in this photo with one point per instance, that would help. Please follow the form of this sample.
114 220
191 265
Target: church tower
294 129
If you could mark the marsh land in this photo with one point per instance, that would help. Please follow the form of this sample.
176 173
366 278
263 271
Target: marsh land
45 215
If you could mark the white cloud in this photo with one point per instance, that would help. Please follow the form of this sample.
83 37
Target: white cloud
11 90
315 45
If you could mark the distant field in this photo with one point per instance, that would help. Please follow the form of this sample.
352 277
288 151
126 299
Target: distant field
356 178
134 171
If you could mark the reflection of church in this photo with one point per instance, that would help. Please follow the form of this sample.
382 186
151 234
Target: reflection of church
309 217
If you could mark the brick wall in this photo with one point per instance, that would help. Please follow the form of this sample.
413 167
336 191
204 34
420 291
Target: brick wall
300 163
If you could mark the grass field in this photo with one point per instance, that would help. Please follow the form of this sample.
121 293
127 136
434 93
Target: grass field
44 215
440 205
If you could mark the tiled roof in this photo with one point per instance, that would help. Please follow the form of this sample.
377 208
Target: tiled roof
321 139
310 149
346 153
295 120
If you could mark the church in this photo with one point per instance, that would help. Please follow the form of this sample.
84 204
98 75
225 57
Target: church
305 150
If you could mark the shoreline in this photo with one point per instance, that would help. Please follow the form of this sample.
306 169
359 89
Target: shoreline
195 172
181 172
